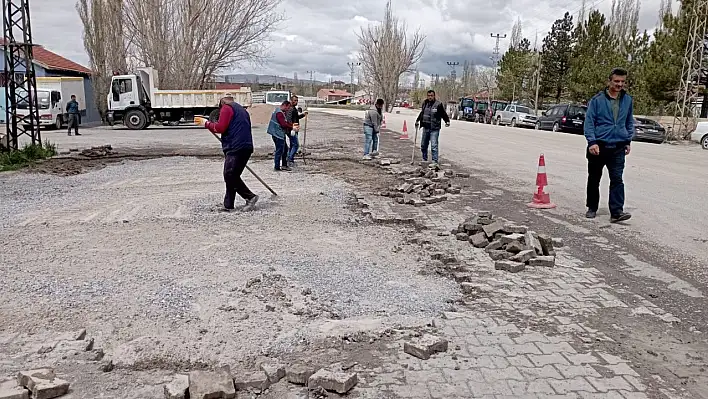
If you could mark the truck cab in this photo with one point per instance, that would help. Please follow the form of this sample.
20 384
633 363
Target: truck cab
49 107
466 109
276 97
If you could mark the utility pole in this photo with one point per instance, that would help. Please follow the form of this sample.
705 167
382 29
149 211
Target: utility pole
495 60
453 77
537 74
20 80
312 82
691 75
352 67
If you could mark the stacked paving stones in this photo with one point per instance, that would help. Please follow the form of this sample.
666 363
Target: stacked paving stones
510 245
220 384
426 187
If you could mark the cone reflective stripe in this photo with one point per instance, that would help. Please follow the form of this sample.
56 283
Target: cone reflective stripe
541 199
404 136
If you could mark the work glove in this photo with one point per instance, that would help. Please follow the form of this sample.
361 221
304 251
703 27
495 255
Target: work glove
417 125
200 120
447 124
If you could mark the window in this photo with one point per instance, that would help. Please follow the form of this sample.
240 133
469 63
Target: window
512 109
125 86
575 111
523 110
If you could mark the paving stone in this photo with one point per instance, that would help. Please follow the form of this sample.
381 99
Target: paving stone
216 384
299 374
543 261
571 385
533 243
557 242
425 346
472 226
577 371
546 244
493 246
468 288
177 388
509 266
512 228
42 383
514 237
339 382
254 380
515 247
524 256
462 236
463 277
613 383
500 255
493 228
274 371
10 390
479 240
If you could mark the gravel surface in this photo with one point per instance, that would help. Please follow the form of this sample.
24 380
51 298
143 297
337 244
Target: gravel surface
140 255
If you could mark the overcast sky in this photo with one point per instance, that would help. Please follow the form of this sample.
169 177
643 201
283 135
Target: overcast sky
320 35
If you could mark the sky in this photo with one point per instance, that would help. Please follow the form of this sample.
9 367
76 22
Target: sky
321 35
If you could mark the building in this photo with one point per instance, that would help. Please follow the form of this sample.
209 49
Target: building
49 64
329 95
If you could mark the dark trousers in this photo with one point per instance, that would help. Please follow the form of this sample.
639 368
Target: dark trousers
279 154
234 164
73 122
613 159
284 158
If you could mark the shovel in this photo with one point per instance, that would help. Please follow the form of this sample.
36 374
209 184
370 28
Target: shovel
415 143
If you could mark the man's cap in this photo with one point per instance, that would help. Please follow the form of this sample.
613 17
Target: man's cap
228 95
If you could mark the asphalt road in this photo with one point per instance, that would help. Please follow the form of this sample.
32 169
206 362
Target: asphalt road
666 191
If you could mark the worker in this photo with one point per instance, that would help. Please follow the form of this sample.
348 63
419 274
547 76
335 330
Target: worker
372 126
72 109
294 117
609 128
278 128
430 115
234 126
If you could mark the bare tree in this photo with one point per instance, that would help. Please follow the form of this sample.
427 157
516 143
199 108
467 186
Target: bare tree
386 52
104 43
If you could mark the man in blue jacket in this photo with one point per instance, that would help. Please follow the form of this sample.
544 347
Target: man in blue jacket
609 128
234 126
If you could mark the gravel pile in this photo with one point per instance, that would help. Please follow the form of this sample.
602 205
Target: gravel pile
140 255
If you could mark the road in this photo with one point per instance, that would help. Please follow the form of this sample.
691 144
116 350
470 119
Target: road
666 190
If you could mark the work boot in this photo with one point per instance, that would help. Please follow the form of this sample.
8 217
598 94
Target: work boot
590 214
286 168
620 218
366 158
250 203
77 134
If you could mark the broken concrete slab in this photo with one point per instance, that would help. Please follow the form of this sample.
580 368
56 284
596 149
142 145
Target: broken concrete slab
512 228
339 382
216 384
472 227
524 256
484 214
514 237
546 244
299 374
479 240
543 261
177 388
514 247
255 380
385 162
533 243
509 266
462 277
462 236
557 242
493 246
10 390
274 371
425 346
469 288
500 255
493 228
42 383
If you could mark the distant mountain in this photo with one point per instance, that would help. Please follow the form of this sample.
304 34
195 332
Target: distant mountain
263 79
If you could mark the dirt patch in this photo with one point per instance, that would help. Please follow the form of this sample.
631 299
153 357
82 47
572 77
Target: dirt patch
260 113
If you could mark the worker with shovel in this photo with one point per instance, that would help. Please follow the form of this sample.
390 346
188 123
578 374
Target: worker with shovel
234 126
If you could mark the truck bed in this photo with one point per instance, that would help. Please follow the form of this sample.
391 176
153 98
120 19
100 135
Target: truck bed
197 98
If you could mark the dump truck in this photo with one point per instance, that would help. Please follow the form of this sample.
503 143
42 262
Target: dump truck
135 101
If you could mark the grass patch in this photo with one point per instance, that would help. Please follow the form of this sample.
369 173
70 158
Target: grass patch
28 155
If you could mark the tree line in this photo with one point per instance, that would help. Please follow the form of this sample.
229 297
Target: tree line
576 56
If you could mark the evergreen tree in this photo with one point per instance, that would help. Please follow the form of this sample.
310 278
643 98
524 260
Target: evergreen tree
516 71
555 57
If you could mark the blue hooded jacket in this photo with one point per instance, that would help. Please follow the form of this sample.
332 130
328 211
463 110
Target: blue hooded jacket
601 127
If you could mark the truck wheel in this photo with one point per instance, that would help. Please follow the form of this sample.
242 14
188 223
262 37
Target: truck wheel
513 122
498 121
135 120
58 123
214 116
704 142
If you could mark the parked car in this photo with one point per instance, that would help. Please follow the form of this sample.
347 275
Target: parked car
700 135
516 115
648 130
563 118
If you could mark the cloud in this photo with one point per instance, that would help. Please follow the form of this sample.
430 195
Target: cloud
321 35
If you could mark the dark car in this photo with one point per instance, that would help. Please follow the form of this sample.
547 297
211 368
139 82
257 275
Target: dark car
563 118
648 130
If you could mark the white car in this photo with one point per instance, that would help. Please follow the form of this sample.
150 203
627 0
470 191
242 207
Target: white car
700 135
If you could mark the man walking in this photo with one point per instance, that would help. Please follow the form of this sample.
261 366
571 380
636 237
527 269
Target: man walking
72 108
430 118
609 128
373 118
294 117
234 125
279 127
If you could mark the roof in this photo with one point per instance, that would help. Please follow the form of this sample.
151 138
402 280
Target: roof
49 60
336 92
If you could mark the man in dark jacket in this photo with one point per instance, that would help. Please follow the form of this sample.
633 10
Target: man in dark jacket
609 128
278 128
294 117
72 109
234 125
430 118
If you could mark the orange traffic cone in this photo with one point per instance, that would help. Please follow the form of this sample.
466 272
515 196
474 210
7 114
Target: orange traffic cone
404 136
541 199
383 124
